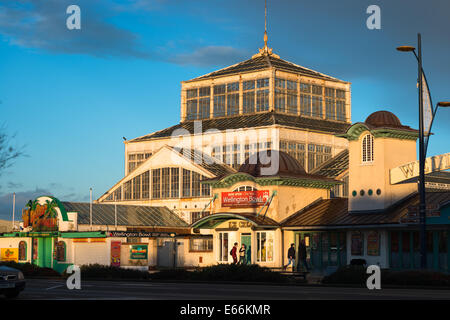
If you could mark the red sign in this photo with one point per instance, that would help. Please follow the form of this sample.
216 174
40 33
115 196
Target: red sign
115 253
244 198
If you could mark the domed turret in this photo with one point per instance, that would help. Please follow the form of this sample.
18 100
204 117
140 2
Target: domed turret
384 119
288 166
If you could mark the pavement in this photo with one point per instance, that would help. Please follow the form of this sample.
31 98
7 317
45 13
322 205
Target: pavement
44 289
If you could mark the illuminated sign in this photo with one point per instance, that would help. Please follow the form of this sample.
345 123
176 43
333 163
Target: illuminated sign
10 254
138 252
411 170
115 253
141 234
245 198
41 217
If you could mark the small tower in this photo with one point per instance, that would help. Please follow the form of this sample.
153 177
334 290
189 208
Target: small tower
376 146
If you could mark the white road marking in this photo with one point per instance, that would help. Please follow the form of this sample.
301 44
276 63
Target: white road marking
54 287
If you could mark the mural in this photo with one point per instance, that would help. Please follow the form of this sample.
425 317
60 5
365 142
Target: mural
41 217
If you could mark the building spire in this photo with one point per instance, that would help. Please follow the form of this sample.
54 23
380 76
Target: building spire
265 50
265 26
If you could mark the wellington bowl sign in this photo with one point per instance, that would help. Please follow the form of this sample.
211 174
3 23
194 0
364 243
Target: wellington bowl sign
240 199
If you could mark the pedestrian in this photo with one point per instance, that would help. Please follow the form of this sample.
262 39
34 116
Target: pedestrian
242 252
291 257
233 253
302 255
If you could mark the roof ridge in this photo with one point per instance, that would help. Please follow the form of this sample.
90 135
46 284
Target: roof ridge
299 66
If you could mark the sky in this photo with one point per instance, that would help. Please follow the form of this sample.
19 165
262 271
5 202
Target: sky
67 97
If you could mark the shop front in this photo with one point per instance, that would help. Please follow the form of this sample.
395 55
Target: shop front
324 249
258 238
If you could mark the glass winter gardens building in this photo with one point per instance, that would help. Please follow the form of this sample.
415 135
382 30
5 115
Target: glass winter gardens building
331 188
265 155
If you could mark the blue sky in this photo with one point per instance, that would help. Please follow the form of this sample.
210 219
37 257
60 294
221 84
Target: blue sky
70 96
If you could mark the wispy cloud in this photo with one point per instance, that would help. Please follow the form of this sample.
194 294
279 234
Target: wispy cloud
41 24
6 202
210 56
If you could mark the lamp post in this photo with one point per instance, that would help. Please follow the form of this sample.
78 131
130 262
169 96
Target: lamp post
422 147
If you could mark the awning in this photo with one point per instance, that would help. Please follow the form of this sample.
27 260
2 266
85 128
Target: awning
211 221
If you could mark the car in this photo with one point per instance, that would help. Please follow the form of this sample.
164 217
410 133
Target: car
12 282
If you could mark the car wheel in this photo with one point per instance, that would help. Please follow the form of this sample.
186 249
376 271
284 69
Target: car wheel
10 294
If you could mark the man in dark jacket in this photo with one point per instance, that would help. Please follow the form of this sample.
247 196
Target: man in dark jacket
302 255
291 257
234 253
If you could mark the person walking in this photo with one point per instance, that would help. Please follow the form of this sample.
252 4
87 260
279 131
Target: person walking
302 255
291 257
242 252
234 253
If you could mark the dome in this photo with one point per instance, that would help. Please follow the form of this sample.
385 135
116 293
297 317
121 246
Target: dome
384 119
288 166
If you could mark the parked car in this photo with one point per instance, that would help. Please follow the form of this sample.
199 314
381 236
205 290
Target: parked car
12 281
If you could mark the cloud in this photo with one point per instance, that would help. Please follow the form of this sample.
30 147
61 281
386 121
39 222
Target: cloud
6 202
14 185
210 56
42 24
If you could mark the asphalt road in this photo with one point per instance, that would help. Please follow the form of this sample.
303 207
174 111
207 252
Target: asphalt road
98 290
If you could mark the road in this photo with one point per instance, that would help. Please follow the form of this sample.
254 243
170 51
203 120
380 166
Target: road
57 290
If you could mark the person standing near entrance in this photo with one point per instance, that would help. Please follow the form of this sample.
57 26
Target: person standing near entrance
302 255
234 253
242 252
291 257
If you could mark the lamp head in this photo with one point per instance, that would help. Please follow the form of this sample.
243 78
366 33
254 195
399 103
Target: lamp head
406 48
444 104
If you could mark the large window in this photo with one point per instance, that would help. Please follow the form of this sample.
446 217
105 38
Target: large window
289 96
22 250
367 149
60 251
136 159
198 103
197 215
245 188
223 247
265 245
186 183
145 185
201 244
295 150
233 98
317 101
219 100
248 98
286 96
262 95
317 154
156 183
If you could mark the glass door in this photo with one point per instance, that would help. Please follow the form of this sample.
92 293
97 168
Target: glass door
246 239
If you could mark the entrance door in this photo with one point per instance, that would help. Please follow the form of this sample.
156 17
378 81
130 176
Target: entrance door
246 239
44 252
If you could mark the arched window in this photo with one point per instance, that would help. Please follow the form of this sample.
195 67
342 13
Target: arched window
367 148
245 188
22 250
60 251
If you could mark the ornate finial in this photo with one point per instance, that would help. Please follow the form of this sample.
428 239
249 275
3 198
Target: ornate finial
265 50
265 26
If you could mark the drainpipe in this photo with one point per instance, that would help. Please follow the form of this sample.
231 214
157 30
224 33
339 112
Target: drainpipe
282 248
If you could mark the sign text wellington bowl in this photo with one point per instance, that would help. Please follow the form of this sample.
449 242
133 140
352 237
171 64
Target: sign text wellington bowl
244 198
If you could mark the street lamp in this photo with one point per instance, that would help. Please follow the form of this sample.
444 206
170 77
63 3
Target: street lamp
422 147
